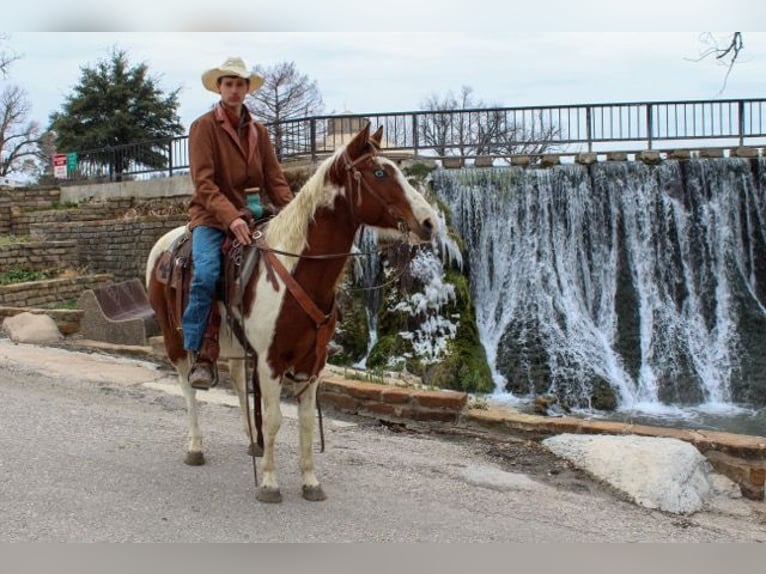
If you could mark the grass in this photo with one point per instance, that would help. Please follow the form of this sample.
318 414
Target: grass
13 239
367 376
14 276
65 205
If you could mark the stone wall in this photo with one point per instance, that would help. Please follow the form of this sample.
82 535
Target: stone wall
47 294
12 200
23 220
39 255
118 246
392 403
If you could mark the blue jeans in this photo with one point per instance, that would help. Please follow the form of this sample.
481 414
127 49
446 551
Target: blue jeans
206 254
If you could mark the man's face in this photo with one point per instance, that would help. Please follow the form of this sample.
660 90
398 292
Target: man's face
233 90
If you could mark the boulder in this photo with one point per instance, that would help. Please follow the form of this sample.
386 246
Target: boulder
29 327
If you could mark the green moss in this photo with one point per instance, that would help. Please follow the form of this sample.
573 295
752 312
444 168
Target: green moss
352 332
603 397
465 368
419 170
392 345
444 208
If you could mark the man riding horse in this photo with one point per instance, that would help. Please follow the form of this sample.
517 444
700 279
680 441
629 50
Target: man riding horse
228 153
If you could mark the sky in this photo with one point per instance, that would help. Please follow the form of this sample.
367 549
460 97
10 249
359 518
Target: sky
370 71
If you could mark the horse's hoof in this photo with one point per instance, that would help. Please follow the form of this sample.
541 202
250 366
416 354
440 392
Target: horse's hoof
194 458
255 450
314 493
268 495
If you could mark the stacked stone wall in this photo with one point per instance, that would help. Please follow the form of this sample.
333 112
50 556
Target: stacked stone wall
50 293
15 200
117 246
39 255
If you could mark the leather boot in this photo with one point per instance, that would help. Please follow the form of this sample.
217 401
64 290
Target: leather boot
204 372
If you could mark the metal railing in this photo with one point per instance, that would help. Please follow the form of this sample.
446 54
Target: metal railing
493 132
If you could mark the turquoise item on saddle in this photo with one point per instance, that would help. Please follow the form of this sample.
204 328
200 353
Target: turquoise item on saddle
254 205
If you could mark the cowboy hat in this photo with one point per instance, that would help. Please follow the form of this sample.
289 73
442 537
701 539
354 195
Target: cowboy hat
231 67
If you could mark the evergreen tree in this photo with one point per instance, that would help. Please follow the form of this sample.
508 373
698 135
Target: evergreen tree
117 104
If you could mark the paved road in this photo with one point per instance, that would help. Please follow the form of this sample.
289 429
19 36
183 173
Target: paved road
92 449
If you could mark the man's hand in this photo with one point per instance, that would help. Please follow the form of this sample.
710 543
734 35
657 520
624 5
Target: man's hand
241 231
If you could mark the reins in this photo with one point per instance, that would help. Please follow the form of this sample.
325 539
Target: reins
324 323
263 248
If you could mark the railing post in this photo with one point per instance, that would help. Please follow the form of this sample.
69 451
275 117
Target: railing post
110 158
589 128
313 136
741 112
170 157
415 134
649 125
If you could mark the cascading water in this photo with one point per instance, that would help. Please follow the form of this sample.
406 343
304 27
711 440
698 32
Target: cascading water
648 281
367 272
426 267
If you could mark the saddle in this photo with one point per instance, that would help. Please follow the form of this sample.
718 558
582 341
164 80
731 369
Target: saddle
176 269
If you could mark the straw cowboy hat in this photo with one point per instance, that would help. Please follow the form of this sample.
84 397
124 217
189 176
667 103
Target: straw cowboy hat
231 67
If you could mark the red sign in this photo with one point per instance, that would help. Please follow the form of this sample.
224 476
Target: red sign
59 166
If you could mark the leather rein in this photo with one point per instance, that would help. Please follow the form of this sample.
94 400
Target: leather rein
323 322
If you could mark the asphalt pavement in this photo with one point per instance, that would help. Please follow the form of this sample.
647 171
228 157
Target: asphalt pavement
93 449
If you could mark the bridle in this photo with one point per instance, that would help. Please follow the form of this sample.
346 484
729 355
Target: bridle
354 175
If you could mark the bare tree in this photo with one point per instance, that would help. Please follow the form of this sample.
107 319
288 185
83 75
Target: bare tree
460 125
286 94
448 127
535 136
18 138
726 54
6 58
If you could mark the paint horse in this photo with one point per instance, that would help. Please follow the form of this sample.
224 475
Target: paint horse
286 327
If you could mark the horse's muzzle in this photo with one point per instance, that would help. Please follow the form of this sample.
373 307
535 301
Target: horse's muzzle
424 231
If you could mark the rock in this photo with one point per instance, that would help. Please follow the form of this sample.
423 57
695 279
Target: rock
29 327
659 473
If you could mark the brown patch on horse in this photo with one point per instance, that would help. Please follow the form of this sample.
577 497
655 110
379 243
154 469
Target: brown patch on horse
163 301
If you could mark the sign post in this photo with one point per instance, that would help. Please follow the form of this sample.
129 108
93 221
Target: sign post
71 162
60 165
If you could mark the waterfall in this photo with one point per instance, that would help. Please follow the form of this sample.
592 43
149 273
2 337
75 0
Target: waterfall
649 280
367 274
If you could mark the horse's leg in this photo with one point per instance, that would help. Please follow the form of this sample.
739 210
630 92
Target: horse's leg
312 490
272 420
194 456
239 382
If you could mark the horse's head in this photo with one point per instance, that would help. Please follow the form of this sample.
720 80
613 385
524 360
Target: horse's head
378 192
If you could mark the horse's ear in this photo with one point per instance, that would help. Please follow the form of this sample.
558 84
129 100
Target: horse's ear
377 137
357 145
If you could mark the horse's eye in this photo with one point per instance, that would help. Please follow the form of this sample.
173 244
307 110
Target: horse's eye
380 173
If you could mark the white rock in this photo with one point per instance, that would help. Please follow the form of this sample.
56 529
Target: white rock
29 327
660 473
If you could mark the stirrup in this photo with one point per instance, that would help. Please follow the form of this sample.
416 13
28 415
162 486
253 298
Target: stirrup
203 374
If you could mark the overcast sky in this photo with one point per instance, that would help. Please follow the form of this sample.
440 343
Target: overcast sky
396 71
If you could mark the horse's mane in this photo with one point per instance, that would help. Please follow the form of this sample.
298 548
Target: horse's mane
288 231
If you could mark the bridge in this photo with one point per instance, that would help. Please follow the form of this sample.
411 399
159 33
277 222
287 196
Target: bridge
483 134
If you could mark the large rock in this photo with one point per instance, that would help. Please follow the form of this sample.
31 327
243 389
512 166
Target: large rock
659 473
29 327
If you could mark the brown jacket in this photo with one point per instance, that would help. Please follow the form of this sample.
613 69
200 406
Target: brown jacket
221 172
